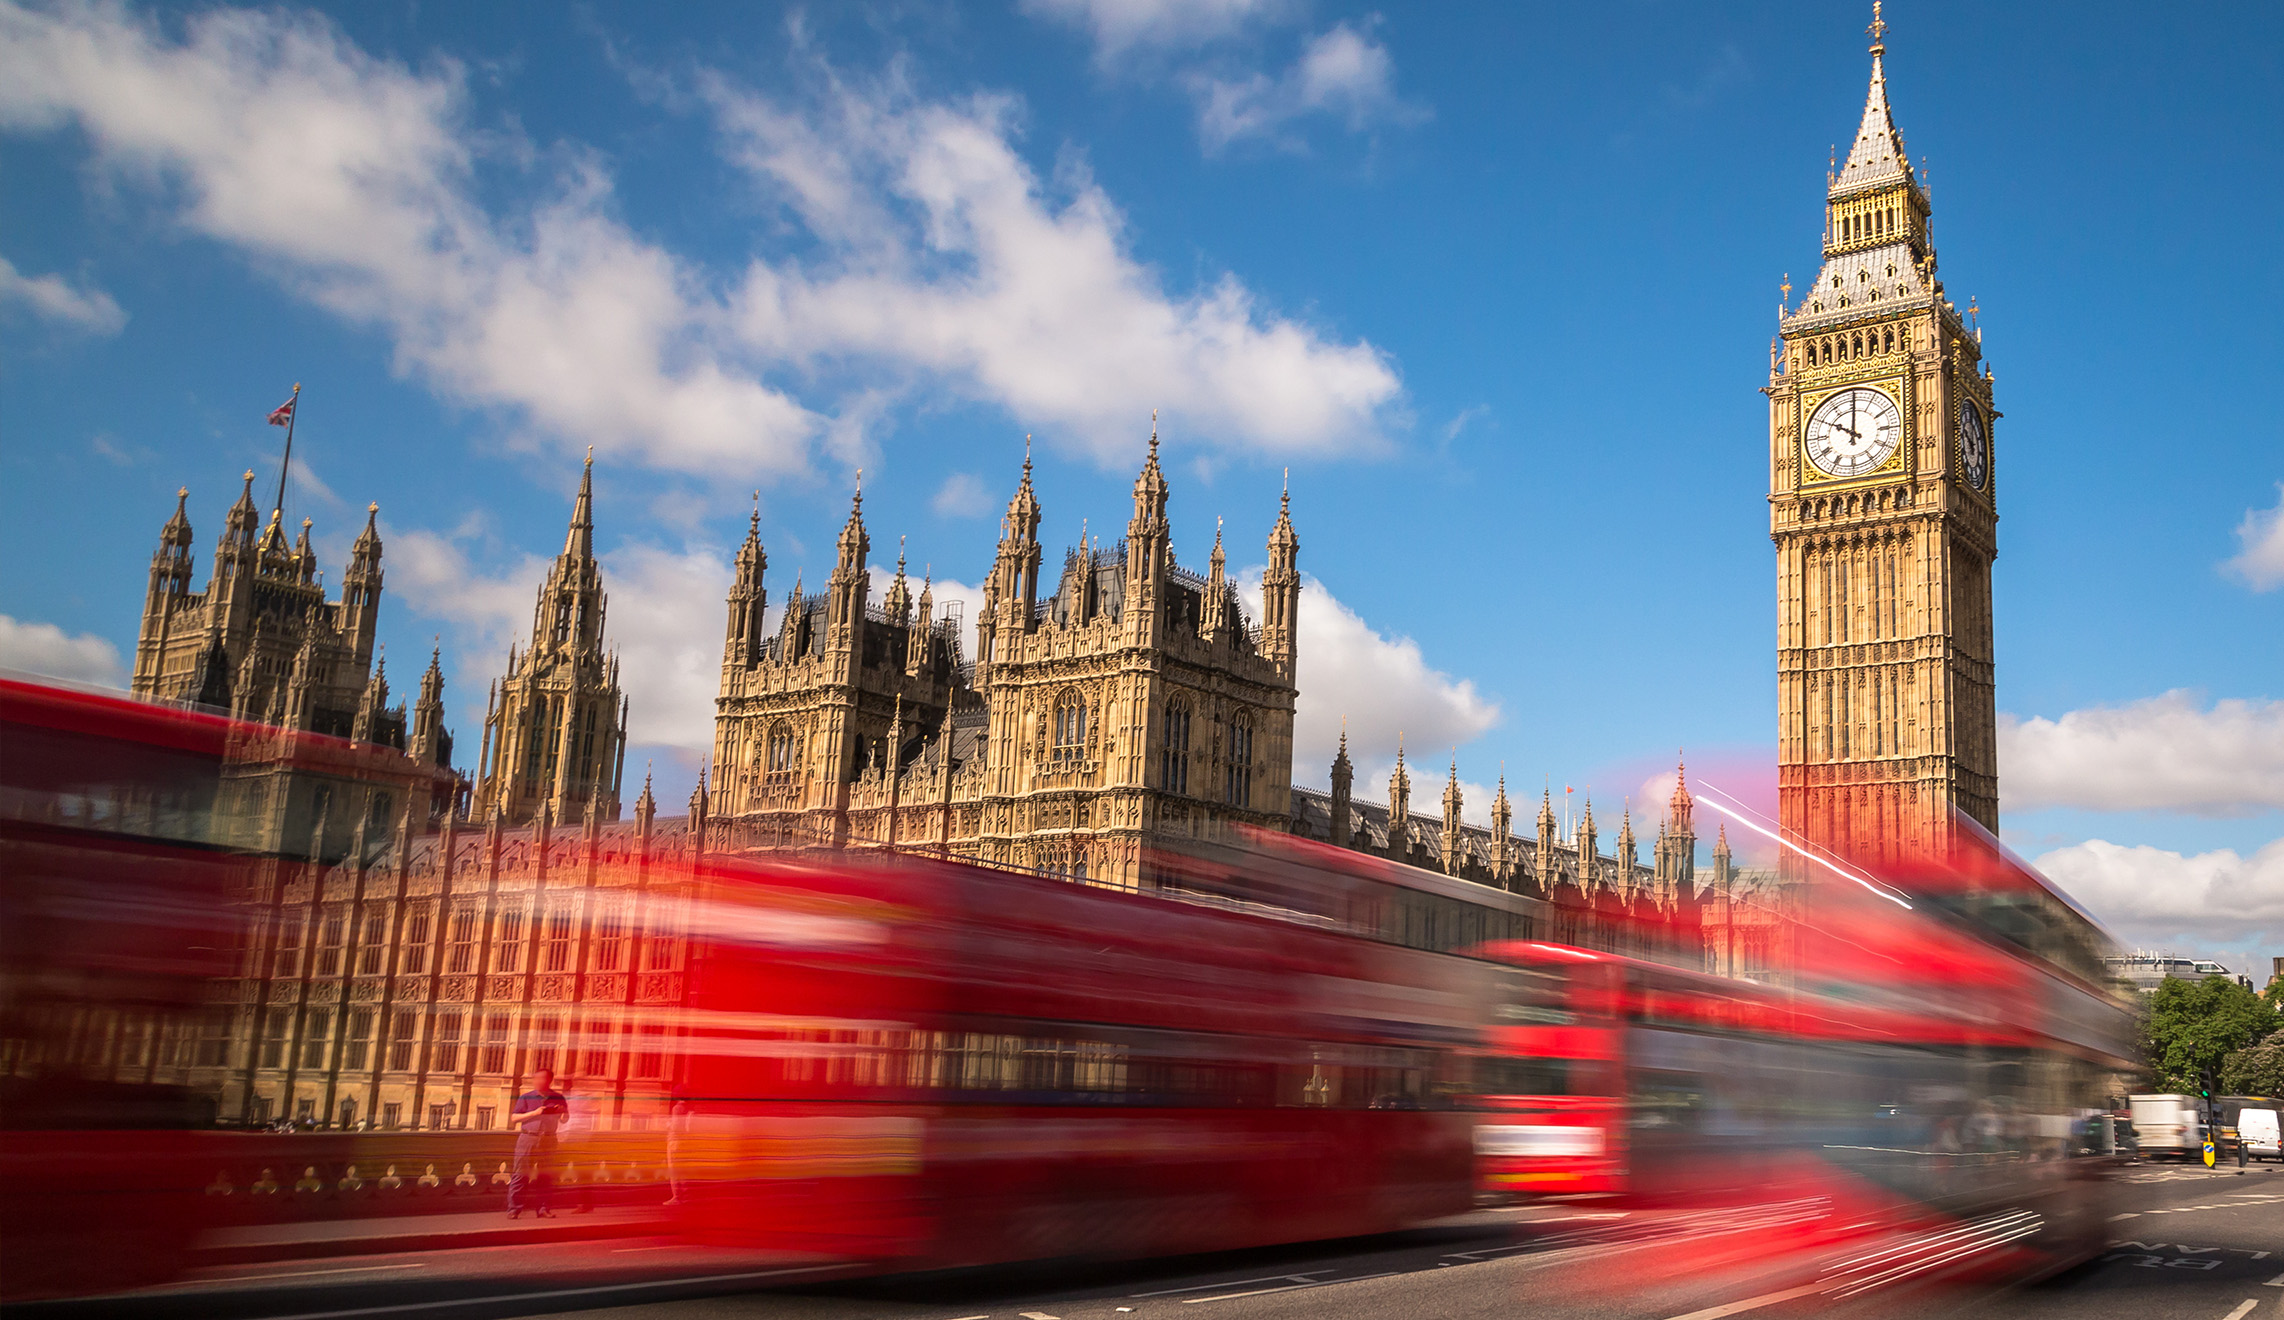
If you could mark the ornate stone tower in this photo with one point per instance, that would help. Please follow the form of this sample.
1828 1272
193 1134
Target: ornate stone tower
1882 505
555 725
262 642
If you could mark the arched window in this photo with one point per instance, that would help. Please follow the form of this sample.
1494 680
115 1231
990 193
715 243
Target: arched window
1174 757
781 748
1070 726
1238 786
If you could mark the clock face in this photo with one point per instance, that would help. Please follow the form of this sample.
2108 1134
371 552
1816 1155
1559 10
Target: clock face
1974 445
1853 432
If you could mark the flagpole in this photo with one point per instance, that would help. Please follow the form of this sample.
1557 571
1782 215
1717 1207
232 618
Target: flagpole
278 511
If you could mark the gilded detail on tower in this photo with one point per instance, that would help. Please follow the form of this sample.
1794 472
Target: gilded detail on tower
1882 506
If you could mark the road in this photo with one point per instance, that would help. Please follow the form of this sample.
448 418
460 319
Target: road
2190 1243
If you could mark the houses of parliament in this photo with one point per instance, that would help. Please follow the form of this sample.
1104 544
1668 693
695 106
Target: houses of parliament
425 938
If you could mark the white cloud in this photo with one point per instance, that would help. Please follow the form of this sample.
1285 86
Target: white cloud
2161 753
360 184
2261 562
1212 49
435 576
53 298
43 648
2152 898
1120 27
1462 419
352 179
666 620
1342 73
961 496
942 252
1385 689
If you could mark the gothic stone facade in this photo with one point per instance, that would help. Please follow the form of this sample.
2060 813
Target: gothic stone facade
419 984
1882 505
1604 901
1136 700
263 644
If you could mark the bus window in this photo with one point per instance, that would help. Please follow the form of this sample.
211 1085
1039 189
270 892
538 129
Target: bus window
1527 997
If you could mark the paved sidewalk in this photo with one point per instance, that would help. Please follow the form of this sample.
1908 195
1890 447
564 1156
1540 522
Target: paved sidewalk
401 1233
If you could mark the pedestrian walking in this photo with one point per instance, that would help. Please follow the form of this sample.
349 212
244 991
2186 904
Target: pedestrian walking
537 1114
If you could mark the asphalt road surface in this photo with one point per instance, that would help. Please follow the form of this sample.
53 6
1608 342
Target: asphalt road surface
2189 1243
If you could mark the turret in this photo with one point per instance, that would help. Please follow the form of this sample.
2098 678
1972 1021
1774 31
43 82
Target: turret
1502 826
917 639
645 807
898 602
850 583
1215 623
1546 843
748 600
1454 837
1015 572
1281 593
168 593
1343 785
371 704
1586 848
1399 803
1629 851
361 590
1148 549
430 743
300 691
234 549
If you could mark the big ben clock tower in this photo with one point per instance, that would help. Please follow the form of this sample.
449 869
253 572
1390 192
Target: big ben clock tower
1883 505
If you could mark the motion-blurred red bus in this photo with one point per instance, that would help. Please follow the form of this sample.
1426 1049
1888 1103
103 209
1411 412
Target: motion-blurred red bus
1951 1069
918 1063
114 893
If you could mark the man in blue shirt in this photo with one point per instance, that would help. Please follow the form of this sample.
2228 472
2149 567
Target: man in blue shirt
537 1114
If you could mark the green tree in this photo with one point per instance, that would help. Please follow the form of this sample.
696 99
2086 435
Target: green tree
2255 1069
2194 1025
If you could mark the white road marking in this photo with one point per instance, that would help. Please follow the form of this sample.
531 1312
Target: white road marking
2132 1214
1290 1287
1488 1251
311 1274
1751 1303
553 1293
2243 1309
2277 1282
1042 1315
1302 1277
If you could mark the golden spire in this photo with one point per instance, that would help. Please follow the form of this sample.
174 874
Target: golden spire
1877 31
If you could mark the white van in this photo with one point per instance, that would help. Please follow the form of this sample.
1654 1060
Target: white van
2256 1128
2168 1126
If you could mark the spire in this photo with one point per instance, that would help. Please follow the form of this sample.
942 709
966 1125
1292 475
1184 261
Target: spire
1679 806
239 524
580 542
1877 156
899 599
177 531
1149 489
1021 522
752 559
368 542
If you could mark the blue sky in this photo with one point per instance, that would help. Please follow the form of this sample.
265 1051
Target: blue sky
1496 283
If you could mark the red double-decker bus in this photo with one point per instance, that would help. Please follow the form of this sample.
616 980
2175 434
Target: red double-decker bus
918 1063
1951 1067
